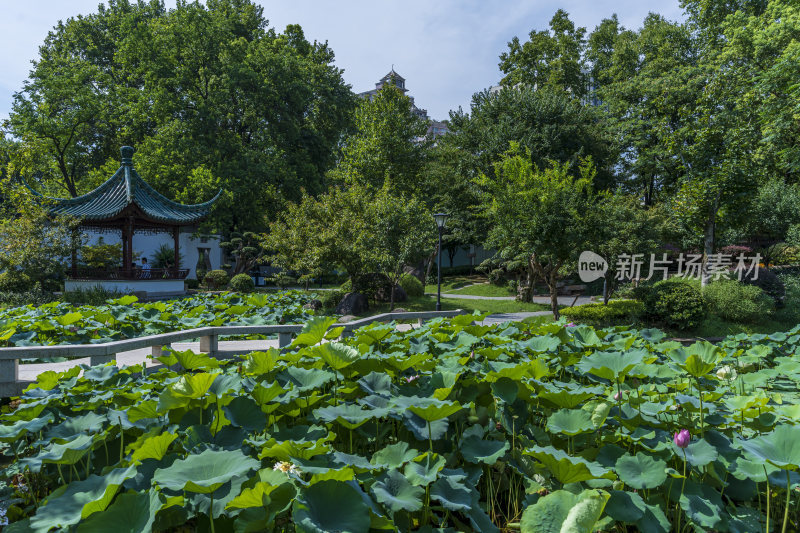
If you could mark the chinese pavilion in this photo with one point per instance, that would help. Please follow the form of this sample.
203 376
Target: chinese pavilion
125 203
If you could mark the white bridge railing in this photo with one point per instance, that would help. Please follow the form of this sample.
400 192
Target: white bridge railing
10 384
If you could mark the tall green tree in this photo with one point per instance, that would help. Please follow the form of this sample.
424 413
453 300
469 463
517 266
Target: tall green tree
550 124
641 79
550 58
360 229
209 94
544 215
387 145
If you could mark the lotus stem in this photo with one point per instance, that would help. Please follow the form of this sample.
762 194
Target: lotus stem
788 500
211 513
768 489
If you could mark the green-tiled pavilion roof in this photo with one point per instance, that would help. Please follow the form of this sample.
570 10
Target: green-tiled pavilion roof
126 188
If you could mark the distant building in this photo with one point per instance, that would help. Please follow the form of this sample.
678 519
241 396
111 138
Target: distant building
436 128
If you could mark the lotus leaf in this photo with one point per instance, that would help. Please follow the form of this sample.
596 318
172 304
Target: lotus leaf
132 512
331 507
641 471
565 512
452 494
396 493
570 422
205 472
611 365
478 450
568 469
781 447
79 500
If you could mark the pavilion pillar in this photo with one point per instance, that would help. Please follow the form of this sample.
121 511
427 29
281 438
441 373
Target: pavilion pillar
124 238
74 266
129 247
176 235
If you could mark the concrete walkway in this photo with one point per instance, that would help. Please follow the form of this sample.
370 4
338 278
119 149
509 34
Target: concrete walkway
562 300
227 349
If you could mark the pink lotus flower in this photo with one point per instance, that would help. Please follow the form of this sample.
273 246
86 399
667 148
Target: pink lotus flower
409 379
682 438
617 396
571 325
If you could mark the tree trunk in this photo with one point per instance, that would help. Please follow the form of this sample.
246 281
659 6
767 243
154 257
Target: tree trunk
551 284
430 264
606 292
708 245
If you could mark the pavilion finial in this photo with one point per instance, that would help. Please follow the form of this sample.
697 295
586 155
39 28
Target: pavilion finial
127 155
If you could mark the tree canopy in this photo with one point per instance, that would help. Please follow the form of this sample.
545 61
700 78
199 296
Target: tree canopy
209 95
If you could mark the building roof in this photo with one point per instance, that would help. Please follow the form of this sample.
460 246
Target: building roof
393 74
126 188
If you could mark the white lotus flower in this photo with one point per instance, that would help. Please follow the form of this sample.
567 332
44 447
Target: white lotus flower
727 373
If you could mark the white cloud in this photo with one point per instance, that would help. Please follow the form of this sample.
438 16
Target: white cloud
446 50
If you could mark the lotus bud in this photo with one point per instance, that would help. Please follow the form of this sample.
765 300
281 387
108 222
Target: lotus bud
617 396
682 438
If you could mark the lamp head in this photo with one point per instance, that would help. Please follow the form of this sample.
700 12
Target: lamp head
441 219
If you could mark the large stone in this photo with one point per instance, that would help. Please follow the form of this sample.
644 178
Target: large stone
399 294
353 303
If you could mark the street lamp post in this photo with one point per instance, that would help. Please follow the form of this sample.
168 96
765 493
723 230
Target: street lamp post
440 218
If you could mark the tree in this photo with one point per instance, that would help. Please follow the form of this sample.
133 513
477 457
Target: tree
548 123
551 58
543 215
359 229
209 95
387 145
246 249
625 227
638 77
34 247
452 190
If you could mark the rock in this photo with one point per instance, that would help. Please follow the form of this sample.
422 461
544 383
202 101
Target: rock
315 305
346 318
400 310
353 303
399 294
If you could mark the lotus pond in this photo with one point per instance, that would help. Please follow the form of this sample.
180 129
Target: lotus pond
124 318
451 426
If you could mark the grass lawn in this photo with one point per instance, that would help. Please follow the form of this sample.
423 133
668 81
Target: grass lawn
715 326
427 303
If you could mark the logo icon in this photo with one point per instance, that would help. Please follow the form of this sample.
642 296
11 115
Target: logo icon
591 266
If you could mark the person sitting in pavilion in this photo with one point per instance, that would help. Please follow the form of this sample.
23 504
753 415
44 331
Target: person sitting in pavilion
145 268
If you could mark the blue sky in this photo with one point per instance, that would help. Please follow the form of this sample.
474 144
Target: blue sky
446 49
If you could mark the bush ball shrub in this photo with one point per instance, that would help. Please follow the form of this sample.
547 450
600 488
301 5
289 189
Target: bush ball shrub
412 285
216 280
736 301
675 302
598 314
242 283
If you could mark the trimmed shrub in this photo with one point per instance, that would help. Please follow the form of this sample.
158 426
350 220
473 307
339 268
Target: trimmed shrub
736 301
605 315
216 280
675 302
243 283
330 299
412 285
